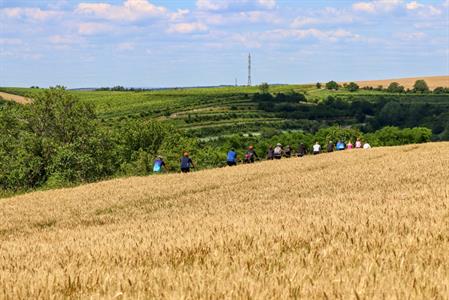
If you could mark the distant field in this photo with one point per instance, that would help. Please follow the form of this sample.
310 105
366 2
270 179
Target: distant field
368 224
15 98
433 82
211 112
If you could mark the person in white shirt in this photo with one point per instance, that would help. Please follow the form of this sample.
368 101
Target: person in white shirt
316 148
366 146
358 144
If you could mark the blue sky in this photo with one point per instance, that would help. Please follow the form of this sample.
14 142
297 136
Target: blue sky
155 43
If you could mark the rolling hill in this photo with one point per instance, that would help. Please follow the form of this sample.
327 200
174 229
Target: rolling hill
432 81
215 112
354 224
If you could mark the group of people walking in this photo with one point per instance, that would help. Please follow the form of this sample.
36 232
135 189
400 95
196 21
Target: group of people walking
273 153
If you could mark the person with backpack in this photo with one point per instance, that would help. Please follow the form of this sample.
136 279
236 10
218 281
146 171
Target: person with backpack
340 146
278 151
288 151
366 146
186 163
330 147
301 150
250 155
316 148
270 153
232 158
159 164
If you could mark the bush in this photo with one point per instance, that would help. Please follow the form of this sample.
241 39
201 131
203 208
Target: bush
441 90
394 136
394 87
420 86
352 87
332 85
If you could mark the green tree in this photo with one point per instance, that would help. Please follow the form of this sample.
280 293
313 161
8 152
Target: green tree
318 85
441 90
421 86
352 87
395 87
332 85
264 88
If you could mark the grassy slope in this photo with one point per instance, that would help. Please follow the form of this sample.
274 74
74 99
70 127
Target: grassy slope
371 224
220 109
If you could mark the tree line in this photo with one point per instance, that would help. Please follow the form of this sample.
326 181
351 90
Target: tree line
58 140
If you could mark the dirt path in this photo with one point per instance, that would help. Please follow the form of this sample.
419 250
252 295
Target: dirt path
15 98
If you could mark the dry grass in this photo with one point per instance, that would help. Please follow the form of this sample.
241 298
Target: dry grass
432 81
15 98
352 225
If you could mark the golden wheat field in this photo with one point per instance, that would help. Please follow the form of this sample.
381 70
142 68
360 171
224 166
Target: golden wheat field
432 81
365 224
15 98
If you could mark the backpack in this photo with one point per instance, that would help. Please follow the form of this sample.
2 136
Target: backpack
157 167
248 156
277 151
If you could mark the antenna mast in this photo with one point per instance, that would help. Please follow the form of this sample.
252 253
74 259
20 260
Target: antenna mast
249 69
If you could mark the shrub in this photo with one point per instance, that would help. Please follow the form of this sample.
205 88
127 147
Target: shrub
421 86
332 85
394 87
352 87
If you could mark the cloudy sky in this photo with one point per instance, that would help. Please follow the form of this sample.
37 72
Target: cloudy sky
154 43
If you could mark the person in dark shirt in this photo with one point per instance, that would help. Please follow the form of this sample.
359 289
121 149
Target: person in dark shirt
302 150
330 147
288 151
270 153
186 163
250 155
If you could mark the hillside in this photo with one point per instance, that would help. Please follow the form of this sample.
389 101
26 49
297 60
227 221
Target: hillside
354 224
432 81
215 112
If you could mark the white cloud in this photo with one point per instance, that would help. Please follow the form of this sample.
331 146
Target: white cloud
131 10
270 4
377 6
364 6
324 35
411 36
179 14
256 17
91 28
240 5
63 39
423 11
327 16
413 5
127 46
35 14
446 3
210 5
187 27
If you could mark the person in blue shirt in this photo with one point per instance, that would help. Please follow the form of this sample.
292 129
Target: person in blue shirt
159 164
340 146
232 158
